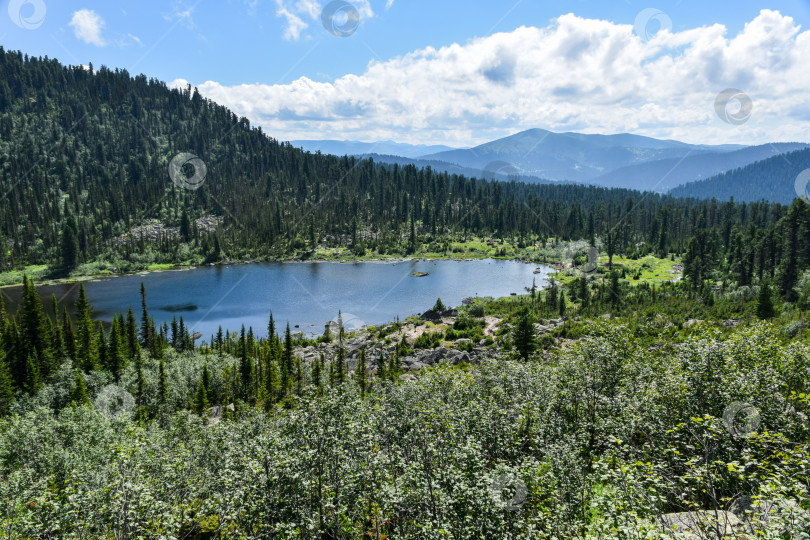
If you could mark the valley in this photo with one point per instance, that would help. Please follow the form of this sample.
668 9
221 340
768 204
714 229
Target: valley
547 282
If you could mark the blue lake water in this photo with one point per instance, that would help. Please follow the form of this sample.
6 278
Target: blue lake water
307 294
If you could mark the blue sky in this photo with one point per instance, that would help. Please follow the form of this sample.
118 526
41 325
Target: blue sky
279 47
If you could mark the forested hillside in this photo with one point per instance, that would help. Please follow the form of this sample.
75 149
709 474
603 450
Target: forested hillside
772 179
84 157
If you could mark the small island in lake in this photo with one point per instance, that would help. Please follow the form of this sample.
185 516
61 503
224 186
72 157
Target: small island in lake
420 274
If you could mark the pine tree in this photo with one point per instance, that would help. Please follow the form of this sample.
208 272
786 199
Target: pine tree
523 335
381 365
286 363
299 377
765 308
340 368
271 383
146 326
85 339
393 366
6 387
245 366
185 226
162 387
116 358
78 393
562 304
200 399
317 373
32 381
271 328
35 330
362 367
134 348
69 245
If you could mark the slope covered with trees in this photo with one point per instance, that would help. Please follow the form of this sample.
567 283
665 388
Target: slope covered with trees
84 160
772 179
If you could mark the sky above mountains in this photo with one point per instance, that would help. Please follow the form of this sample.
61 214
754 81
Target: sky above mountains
452 72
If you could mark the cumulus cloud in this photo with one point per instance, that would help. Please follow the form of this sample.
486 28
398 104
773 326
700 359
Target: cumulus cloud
575 74
87 26
296 13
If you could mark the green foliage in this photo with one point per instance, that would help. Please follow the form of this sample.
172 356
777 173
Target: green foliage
610 436
439 306
428 340
78 394
765 309
524 336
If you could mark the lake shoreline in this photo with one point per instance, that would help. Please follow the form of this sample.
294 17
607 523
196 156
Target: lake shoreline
101 276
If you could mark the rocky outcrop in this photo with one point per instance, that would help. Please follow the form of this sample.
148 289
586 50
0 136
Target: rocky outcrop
696 525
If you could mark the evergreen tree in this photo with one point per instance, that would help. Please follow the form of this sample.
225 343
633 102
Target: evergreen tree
765 308
134 348
162 386
271 383
382 374
32 381
185 226
69 245
245 367
362 367
287 363
78 393
116 351
271 328
317 375
35 330
523 335
6 387
85 339
393 370
200 405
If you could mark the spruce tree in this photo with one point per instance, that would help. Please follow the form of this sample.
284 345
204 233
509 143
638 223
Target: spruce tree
6 387
78 393
765 308
69 245
116 350
35 330
146 326
131 332
360 372
33 381
317 373
162 386
393 366
523 335
287 363
271 382
200 399
381 365
85 339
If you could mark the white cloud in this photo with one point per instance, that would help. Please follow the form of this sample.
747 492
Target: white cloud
297 12
575 74
295 25
87 25
388 4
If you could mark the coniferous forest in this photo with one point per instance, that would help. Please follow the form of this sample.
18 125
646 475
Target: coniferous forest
612 404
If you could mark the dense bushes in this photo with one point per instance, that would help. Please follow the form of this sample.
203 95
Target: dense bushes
596 442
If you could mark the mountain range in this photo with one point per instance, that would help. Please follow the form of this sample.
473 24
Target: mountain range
541 156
